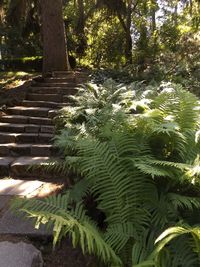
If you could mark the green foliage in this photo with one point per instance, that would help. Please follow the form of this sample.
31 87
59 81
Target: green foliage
93 109
20 64
159 255
66 219
142 170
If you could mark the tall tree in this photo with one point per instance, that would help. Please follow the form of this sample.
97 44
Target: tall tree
124 9
1 22
53 34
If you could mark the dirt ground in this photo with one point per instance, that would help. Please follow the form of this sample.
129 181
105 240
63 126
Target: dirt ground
64 255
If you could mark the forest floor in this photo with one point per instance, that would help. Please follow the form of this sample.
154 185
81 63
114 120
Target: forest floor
63 255
10 79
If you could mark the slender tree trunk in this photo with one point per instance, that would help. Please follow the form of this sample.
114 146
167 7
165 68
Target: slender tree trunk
153 32
81 17
129 43
53 34
1 24
176 15
80 29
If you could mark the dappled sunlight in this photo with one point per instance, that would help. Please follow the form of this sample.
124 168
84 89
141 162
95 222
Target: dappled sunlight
10 79
18 187
28 188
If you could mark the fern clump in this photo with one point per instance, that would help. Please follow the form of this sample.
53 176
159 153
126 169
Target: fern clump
143 172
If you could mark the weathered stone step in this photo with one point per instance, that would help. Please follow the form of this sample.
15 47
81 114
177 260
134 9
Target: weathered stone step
25 128
30 166
19 254
15 224
25 119
45 97
29 103
29 111
63 74
53 90
63 84
19 128
21 138
24 167
5 163
60 80
18 150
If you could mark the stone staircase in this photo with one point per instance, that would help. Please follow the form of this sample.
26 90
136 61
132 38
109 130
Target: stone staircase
26 130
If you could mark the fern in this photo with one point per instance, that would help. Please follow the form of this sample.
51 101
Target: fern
187 253
57 212
137 154
175 232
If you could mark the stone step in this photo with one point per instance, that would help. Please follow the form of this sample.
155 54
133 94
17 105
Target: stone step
63 74
25 119
60 84
19 128
19 254
29 111
5 163
38 138
53 105
25 128
31 166
53 90
10 127
45 97
18 150
60 80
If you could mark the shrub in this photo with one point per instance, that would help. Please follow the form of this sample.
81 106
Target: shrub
27 64
22 64
142 171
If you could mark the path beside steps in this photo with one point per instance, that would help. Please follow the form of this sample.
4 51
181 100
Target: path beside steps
26 133
26 130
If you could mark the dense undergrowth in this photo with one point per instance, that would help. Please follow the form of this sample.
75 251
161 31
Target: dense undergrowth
134 150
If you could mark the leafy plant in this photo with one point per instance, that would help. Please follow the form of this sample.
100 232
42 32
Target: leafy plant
143 174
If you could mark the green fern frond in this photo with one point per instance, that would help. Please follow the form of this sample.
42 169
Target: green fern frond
174 232
117 235
66 219
179 255
184 202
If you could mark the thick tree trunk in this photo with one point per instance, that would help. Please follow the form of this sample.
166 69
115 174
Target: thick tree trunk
53 34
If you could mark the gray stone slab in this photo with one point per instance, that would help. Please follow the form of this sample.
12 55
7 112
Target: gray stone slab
4 165
6 161
4 201
19 187
19 255
17 224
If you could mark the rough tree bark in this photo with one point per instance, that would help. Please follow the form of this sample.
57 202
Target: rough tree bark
53 34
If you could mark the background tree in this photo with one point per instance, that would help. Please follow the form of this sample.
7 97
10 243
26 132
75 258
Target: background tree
148 36
53 36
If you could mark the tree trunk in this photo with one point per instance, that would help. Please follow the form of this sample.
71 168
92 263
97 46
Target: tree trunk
153 32
129 43
53 34
80 29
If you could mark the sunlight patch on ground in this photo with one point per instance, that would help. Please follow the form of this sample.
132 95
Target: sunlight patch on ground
11 79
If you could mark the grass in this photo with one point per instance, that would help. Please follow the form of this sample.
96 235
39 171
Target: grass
12 79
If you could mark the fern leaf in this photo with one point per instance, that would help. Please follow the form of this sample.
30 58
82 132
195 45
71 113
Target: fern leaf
65 219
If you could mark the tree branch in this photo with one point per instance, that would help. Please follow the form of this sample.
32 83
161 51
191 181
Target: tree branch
121 21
